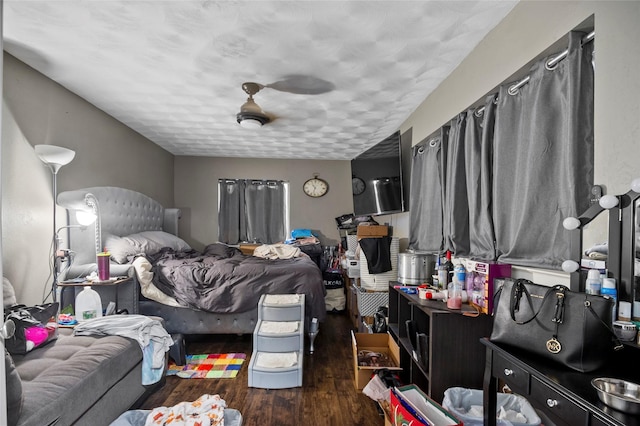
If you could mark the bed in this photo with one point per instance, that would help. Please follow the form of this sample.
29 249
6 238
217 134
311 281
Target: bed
181 278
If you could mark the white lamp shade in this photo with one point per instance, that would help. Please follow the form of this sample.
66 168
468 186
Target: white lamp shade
571 223
85 218
570 266
54 156
608 201
635 185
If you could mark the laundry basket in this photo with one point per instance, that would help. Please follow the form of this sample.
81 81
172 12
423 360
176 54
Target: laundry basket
370 301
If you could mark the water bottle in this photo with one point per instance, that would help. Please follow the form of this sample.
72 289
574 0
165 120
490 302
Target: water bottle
88 304
460 275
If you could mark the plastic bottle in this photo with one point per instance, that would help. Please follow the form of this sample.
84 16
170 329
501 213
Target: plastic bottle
88 305
443 275
460 275
454 295
609 289
593 284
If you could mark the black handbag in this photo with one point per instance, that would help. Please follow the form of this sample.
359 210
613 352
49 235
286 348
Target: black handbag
570 328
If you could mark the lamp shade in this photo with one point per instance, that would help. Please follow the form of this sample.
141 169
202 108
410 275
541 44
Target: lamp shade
54 156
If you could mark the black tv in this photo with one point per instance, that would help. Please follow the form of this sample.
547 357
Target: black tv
377 179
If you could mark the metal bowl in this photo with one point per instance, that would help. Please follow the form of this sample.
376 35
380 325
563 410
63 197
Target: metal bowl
619 394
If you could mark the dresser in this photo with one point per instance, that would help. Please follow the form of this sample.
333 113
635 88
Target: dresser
560 395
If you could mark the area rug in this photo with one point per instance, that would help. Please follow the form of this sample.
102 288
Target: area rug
208 366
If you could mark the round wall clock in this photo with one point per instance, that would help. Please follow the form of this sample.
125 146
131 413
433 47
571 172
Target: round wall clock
315 187
357 185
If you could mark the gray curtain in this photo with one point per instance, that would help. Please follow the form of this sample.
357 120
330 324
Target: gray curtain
251 211
427 190
479 178
456 203
543 164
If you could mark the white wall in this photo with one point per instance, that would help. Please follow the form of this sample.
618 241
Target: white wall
35 110
196 193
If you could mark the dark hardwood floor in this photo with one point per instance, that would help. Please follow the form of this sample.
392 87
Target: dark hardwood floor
327 395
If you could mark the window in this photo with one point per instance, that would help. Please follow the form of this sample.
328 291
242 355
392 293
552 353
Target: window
254 211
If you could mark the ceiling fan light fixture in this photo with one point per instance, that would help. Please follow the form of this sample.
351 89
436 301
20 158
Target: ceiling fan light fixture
251 115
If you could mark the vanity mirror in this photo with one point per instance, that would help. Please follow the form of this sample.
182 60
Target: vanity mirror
596 239
629 286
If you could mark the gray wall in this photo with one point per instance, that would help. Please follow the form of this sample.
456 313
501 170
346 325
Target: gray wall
35 110
196 193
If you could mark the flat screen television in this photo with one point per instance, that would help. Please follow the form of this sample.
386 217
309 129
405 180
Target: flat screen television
377 179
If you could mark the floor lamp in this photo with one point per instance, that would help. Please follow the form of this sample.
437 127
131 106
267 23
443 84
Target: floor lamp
55 157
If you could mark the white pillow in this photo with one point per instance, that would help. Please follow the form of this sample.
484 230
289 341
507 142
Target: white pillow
147 243
148 290
119 248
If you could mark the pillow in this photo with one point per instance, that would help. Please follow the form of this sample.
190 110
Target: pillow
147 288
119 248
8 293
146 242
14 390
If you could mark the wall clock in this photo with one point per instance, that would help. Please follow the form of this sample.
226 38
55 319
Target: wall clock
315 187
357 185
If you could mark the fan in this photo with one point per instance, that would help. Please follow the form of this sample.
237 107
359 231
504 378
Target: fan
252 116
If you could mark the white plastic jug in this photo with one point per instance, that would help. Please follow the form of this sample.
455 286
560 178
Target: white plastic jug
88 304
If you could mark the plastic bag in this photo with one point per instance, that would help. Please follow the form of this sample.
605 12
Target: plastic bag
466 405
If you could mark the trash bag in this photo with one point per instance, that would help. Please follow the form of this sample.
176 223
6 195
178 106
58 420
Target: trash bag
467 405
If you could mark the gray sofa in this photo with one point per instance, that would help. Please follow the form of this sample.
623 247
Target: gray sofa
75 380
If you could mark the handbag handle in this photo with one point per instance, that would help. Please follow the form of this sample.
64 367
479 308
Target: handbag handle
518 289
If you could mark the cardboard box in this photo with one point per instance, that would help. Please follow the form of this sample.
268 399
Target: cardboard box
372 231
484 274
375 342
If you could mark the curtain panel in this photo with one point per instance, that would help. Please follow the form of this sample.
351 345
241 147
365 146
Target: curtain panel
479 179
543 160
456 203
251 211
427 193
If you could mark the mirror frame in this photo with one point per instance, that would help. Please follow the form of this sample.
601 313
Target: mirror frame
626 275
577 278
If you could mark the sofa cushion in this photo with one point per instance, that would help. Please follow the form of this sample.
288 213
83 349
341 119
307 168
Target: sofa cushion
14 390
65 378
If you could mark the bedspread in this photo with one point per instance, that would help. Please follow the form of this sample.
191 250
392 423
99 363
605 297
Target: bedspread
223 280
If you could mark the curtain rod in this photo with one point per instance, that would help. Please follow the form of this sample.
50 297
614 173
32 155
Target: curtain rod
551 64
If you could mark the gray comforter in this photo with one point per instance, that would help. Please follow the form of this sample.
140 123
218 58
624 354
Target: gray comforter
221 279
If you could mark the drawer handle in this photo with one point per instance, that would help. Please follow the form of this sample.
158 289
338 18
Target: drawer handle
552 402
508 372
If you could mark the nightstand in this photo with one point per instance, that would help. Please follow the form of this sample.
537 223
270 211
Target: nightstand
118 290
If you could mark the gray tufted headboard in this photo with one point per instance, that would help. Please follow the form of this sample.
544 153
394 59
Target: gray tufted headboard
122 212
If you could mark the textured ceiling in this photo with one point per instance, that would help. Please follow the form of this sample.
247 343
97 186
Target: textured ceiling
173 70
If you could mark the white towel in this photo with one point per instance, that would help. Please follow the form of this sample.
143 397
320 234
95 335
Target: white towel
282 299
279 327
276 360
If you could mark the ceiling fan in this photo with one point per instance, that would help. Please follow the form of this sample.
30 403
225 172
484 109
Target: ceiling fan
252 116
